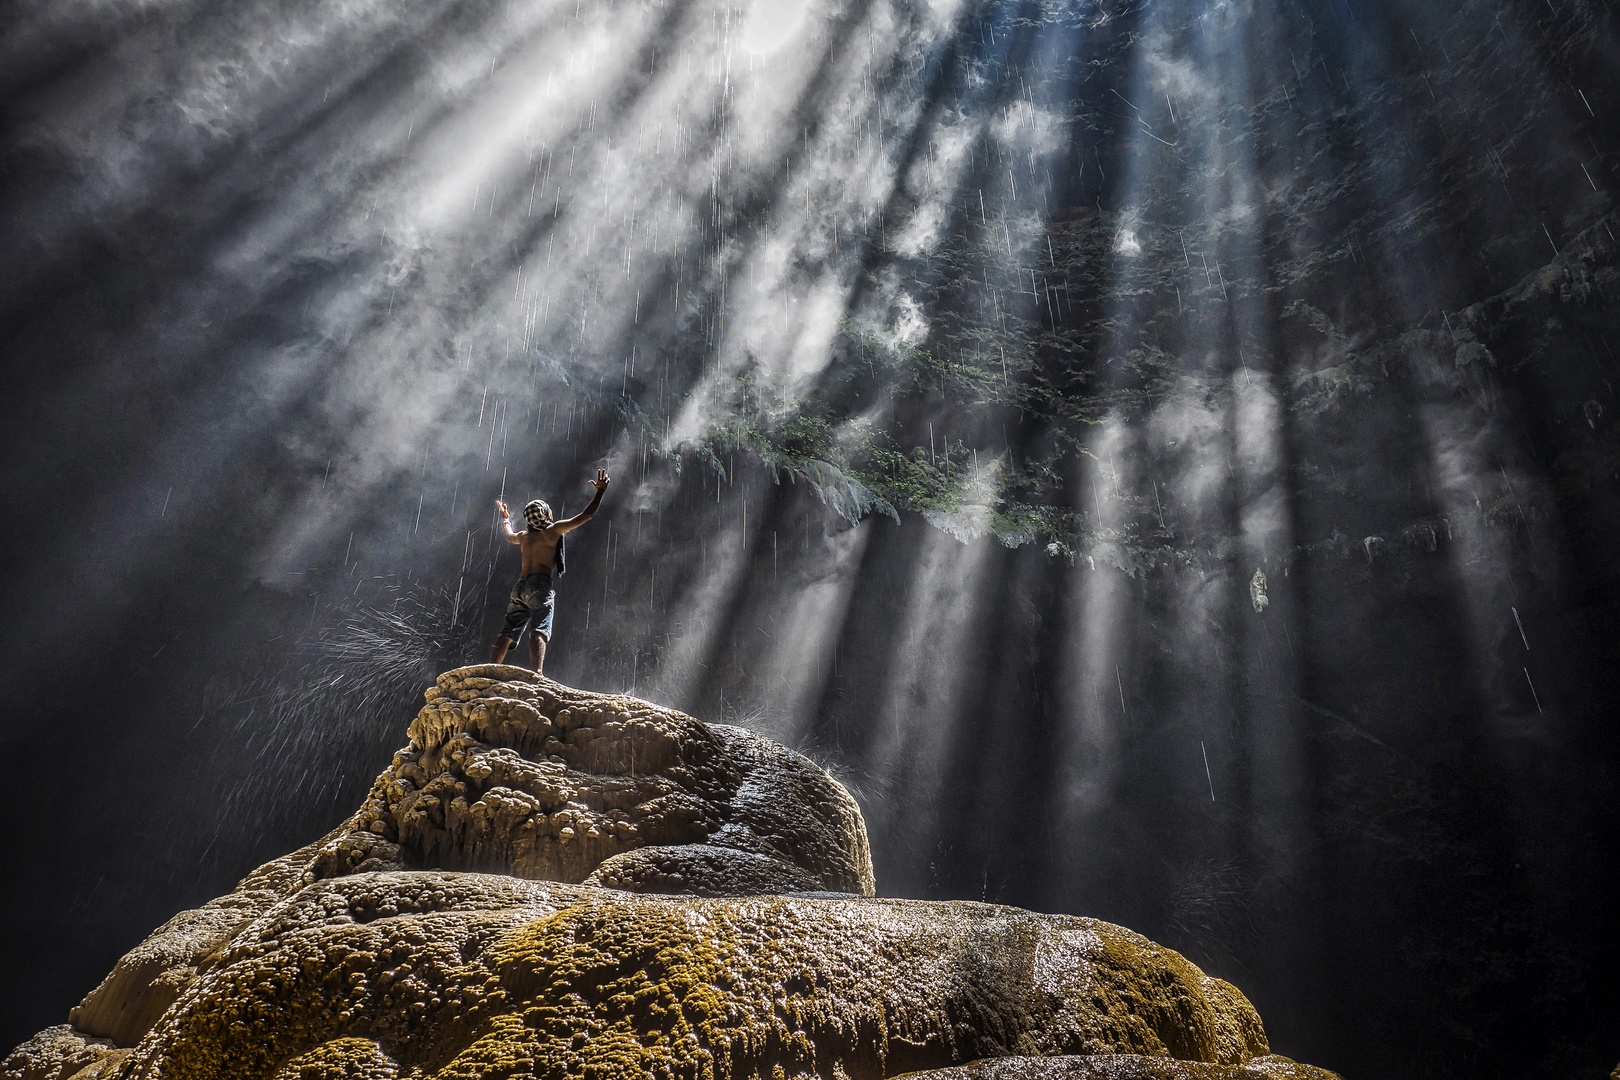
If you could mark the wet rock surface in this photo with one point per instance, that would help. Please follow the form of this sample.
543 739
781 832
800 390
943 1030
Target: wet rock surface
515 774
150 977
755 947
60 1052
512 773
1122 1067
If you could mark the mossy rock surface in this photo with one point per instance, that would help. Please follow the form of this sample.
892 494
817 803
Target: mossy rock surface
387 951
1122 1067
510 773
449 975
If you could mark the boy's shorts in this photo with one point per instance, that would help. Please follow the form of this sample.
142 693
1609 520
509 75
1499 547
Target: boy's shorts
532 603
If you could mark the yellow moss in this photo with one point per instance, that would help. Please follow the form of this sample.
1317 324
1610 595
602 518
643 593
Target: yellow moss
1122 1067
341 1059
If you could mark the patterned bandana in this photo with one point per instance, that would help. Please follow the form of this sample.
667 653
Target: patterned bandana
538 515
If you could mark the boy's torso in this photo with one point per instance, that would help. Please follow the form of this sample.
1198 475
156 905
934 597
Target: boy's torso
539 550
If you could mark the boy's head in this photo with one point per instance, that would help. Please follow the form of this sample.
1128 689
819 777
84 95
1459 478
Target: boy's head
537 514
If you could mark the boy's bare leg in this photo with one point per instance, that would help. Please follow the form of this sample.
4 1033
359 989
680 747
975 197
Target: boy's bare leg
537 650
497 655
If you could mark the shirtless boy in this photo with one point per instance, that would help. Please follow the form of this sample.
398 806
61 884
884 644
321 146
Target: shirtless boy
532 597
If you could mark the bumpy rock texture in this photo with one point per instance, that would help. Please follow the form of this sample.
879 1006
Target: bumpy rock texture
352 958
511 773
1118 1067
60 1052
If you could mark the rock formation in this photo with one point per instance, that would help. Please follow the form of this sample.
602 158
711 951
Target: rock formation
510 773
479 917
1116 1067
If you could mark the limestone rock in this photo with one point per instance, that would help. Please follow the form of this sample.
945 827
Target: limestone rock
150 977
460 975
663 897
61 1053
511 773
1121 1067
703 870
